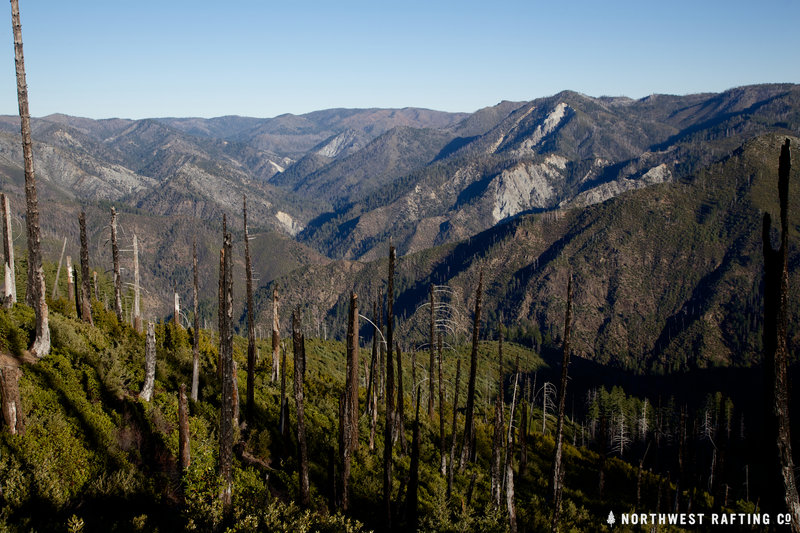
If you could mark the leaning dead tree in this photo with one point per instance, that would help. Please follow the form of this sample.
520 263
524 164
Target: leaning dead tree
251 326
149 363
115 261
8 251
86 306
226 424
276 337
298 340
196 328
557 478
389 396
776 354
35 296
469 428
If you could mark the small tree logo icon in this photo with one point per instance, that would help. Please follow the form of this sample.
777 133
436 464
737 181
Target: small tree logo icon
610 520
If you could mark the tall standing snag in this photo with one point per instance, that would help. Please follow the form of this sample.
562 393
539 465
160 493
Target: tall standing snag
276 336
184 458
498 447
115 260
86 307
349 419
432 346
251 326
196 328
149 363
137 315
557 479
389 397
469 428
784 495
226 426
451 467
298 340
35 296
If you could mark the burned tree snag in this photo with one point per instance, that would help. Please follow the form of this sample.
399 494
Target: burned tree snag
523 430
54 293
412 499
8 248
469 429
70 281
441 408
184 458
276 336
432 343
372 390
557 478
400 415
226 425
509 477
389 397
137 315
149 363
298 341
348 420
784 495
115 260
196 328
251 326
86 306
499 431
453 440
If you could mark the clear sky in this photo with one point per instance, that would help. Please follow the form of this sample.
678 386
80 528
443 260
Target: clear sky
147 58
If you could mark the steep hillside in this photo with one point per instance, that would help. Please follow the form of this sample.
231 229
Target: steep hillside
667 277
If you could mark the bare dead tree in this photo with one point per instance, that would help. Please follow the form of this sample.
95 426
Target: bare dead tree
70 281
283 420
432 346
452 464
137 314
276 336
469 429
251 326
351 377
115 261
776 354
298 341
372 385
196 328
509 477
557 479
149 363
443 460
8 250
35 296
176 309
523 430
184 456
96 287
412 500
389 397
498 447
400 415
226 432
86 306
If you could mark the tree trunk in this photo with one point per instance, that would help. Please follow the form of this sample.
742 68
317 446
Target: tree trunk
499 431
412 499
523 431
276 336
442 458
149 363
509 477
251 325
184 457
54 293
372 385
400 415
115 260
451 469
86 306
137 315
466 449
226 433
70 281
9 394
389 397
8 247
432 343
196 328
784 494
557 479
35 295
351 377
298 341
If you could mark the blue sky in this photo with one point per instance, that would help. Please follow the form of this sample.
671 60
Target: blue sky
143 58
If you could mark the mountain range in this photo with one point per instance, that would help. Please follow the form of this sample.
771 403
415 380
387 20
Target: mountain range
614 189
